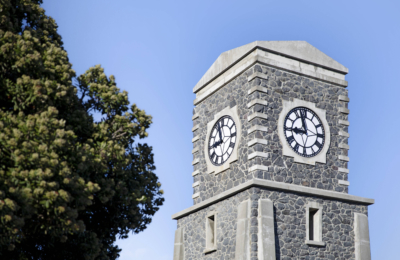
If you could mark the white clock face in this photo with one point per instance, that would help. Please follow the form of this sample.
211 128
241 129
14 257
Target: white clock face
304 131
222 140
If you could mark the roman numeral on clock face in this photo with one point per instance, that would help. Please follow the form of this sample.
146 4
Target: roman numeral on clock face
212 156
290 139
232 145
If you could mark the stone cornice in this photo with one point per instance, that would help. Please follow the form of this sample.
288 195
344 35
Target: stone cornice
274 186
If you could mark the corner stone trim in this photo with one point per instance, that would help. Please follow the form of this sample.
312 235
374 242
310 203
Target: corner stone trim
178 245
243 231
266 230
361 231
258 88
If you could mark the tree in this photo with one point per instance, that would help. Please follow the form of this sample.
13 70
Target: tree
69 185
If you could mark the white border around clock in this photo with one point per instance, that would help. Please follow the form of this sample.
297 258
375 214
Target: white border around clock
286 149
232 112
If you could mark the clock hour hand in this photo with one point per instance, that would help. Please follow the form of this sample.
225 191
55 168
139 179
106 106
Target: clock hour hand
299 131
216 144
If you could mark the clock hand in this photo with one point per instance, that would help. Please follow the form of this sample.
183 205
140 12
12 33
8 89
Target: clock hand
298 131
219 132
216 144
303 120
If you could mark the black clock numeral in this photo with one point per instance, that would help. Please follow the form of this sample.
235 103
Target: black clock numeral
290 139
303 112
319 125
233 134
318 145
288 128
320 135
212 156
232 145
296 147
297 113
304 151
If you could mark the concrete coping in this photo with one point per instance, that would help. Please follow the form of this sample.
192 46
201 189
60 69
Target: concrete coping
334 195
300 51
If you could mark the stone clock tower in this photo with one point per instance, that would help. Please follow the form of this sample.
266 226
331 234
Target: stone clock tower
270 155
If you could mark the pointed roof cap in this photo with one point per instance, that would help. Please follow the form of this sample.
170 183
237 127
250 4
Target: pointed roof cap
299 50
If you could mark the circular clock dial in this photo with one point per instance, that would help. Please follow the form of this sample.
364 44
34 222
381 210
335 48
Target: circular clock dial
304 131
222 140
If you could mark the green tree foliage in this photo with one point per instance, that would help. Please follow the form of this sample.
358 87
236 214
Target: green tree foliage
69 185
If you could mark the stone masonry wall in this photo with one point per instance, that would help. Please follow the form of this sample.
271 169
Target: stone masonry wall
281 85
290 227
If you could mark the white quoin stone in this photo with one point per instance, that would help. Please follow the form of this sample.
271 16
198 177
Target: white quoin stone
243 231
266 231
178 245
361 231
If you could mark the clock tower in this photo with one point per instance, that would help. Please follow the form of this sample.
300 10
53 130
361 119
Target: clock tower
270 157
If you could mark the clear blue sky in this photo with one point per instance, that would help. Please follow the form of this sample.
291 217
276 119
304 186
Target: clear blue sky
158 50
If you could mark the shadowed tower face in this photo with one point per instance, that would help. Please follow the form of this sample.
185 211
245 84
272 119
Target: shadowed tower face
270 155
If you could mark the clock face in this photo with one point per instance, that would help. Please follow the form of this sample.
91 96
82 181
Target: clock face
304 131
222 140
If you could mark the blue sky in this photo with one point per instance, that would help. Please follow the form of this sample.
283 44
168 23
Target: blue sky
158 50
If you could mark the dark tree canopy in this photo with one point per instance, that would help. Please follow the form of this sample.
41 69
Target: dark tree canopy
69 185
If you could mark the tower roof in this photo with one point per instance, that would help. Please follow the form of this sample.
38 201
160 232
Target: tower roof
298 50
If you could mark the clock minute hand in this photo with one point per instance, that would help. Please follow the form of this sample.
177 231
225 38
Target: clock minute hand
219 132
303 120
